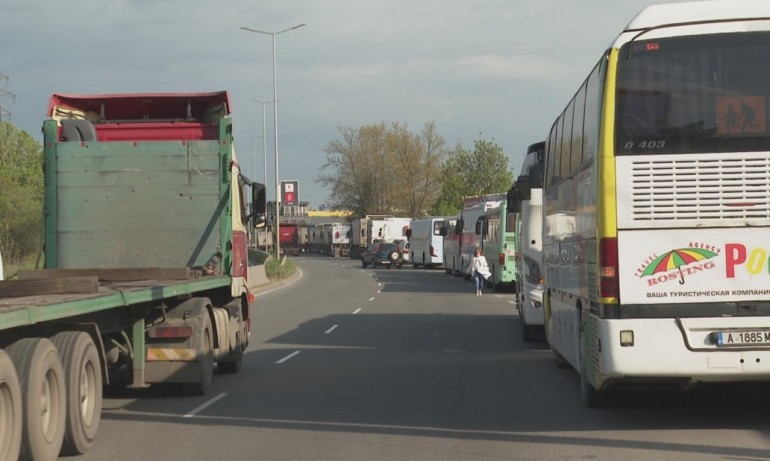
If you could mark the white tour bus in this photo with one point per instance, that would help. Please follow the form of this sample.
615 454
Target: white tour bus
657 204
426 244
526 199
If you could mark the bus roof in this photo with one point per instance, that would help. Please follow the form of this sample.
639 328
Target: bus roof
698 11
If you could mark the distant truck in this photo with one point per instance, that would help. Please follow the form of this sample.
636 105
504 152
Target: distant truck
360 233
376 228
391 229
147 276
289 239
335 239
294 238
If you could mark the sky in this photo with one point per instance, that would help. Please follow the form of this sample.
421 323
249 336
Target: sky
498 70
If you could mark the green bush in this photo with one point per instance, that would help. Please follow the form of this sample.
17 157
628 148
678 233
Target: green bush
279 270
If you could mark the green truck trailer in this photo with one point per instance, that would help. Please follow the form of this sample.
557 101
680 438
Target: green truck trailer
147 275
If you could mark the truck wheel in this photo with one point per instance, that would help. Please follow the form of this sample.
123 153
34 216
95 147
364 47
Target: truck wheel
43 393
83 374
10 410
232 362
205 355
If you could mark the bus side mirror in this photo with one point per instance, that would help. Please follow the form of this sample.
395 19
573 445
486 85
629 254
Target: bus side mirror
408 233
442 231
524 186
482 227
459 227
513 200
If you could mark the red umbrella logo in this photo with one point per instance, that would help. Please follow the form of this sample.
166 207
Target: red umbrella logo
675 259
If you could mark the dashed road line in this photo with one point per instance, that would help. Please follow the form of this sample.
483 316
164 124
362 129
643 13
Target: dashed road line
357 311
205 405
331 329
293 354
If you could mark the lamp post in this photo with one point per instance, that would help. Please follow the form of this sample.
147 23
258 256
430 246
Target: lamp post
275 137
264 140
264 151
254 166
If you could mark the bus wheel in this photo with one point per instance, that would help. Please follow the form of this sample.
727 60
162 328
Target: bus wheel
82 371
528 332
10 410
43 391
592 397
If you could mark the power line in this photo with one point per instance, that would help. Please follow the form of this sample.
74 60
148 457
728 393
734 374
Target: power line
5 94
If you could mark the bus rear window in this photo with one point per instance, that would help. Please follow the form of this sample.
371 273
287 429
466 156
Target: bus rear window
694 94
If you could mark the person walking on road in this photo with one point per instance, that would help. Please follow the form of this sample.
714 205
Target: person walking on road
479 270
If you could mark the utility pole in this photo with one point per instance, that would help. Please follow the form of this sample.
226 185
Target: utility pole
5 94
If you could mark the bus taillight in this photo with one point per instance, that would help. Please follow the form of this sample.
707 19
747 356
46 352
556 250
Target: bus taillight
501 258
608 267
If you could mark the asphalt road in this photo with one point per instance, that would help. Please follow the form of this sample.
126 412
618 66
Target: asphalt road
348 363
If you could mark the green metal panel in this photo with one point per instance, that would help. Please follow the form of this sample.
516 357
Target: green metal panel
50 214
226 217
138 204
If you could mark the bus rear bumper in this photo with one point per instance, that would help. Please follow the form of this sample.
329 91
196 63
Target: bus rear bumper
693 349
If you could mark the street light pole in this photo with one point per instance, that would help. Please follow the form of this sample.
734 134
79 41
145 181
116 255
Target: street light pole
264 137
264 151
254 167
275 137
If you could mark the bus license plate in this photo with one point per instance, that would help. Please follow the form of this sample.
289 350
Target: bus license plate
742 338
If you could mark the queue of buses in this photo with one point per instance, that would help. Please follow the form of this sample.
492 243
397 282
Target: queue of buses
636 235
655 205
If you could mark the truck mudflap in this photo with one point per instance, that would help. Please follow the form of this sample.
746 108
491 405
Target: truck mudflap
180 349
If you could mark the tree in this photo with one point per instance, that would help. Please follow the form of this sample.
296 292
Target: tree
374 170
480 172
21 201
356 169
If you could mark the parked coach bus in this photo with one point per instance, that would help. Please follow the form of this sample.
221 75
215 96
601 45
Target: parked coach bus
657 204
496 229
525 199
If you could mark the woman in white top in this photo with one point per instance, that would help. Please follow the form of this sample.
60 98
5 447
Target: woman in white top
479 270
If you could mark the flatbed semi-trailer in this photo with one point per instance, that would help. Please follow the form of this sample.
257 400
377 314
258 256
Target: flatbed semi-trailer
147 277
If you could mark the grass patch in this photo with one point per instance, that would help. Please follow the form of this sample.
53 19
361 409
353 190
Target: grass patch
10 269
279 270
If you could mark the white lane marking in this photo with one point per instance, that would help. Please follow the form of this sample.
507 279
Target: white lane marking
379 283
287 357
330 329
357 311
372 298
511 302
205 405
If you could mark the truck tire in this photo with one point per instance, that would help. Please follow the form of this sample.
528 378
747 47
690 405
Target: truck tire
43 394
10 410
83 374
205 355
230 363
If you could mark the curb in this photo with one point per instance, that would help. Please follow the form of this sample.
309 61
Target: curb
276 284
